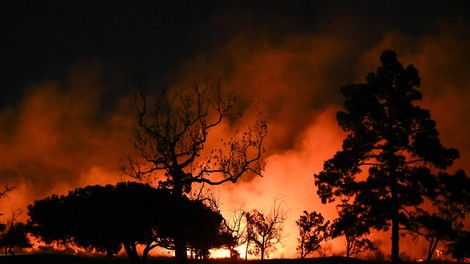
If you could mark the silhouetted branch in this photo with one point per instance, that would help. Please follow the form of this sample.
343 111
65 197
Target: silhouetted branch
173 130
7 189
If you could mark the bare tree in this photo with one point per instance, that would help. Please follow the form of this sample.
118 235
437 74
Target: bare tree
3 193
7 189
14 234
236 225
173 129
265 231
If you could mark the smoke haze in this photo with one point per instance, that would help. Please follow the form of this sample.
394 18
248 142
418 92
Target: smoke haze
286 62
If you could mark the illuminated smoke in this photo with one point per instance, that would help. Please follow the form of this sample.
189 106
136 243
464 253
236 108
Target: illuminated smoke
59 137
297 87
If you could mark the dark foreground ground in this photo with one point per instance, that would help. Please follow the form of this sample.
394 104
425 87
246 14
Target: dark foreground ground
67 259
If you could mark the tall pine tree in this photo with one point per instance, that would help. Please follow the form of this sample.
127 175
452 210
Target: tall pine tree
392 140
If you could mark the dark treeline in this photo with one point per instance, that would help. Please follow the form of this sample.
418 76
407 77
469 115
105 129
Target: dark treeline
106 218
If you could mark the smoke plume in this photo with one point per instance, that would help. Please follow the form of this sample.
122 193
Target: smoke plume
74 131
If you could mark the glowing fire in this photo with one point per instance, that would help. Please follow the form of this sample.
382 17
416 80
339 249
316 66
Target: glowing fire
220 253
55 142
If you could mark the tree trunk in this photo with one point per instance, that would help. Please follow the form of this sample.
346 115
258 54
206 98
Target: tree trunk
181 254
180 251
395 242
132 252
395 225
432 247
145 253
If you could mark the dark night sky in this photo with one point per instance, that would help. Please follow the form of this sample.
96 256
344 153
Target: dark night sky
41 39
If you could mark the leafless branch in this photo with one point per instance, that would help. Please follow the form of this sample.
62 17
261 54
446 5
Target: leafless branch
6 190
173 130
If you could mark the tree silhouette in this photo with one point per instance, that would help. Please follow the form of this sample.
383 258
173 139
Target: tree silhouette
236 226
92 218
199 225
264 231
353 225
452 200
460 248
312 231
434 228
15 235
104 217
452 203
395 140
171 137
3 193
7 189
205 229
49 220
129 214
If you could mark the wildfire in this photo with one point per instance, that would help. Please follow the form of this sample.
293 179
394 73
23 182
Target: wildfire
58 138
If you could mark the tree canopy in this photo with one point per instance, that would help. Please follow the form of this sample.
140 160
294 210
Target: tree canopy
392 150
102 217
352 224
15 236
201 227
451 205
105 218
460 248
313 230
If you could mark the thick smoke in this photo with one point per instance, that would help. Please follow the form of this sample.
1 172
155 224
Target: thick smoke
295 82
64 134
59 138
